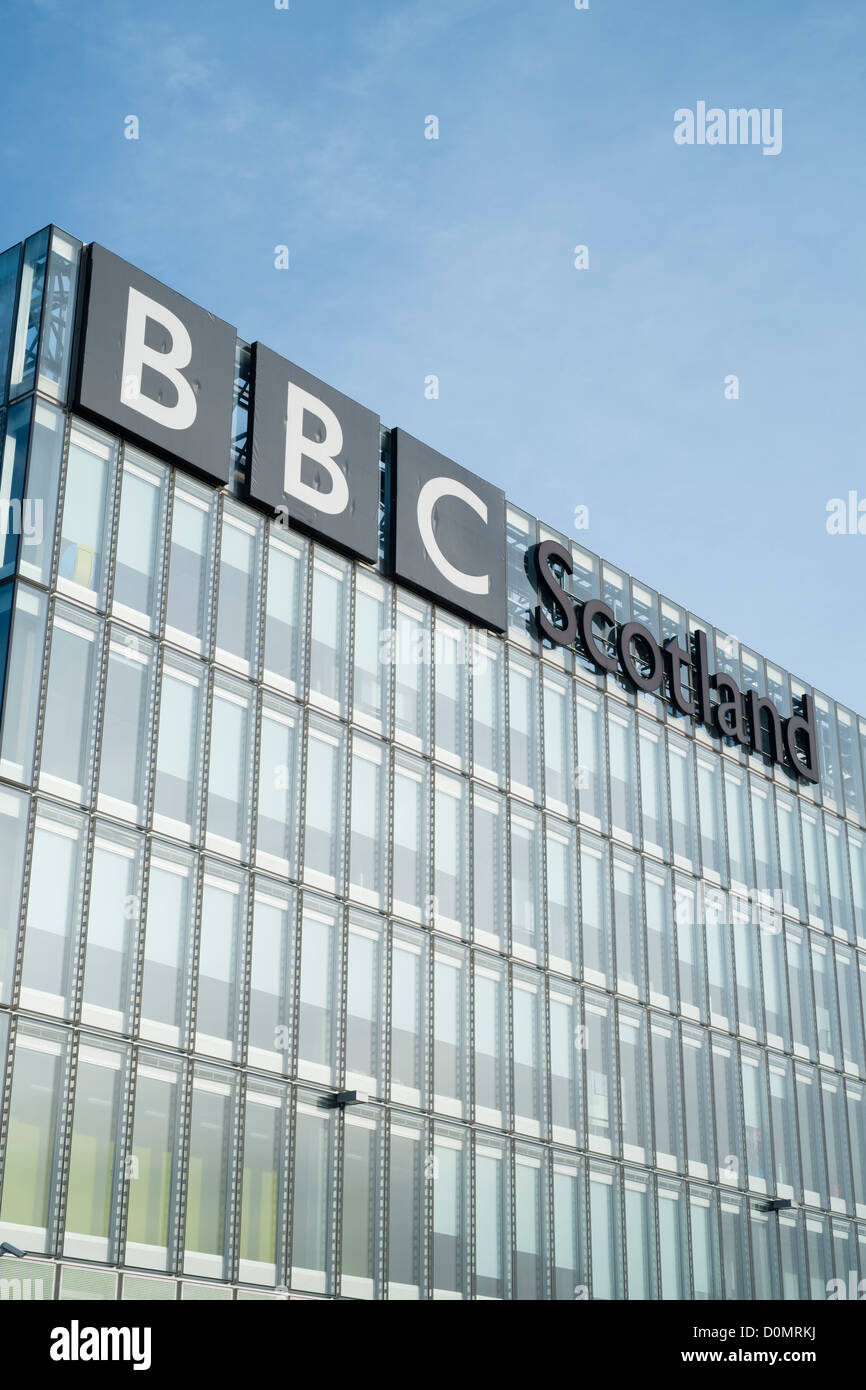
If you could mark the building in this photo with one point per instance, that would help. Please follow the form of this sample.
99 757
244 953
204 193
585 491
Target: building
358 939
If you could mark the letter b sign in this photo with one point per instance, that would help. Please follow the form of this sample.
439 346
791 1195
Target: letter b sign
170 384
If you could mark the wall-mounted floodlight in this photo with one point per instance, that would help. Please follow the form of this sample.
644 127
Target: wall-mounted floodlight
7 1249
342 1099
774 1204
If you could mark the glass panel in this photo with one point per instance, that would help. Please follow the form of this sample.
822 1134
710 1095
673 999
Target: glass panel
600 1062
58 314
411 657
319 993
667 1094
93 1161
489 869
223 923
365 1005
53 910
171 896
451 1217
124 761
410 854
238 589
526 883
628 919
406 1209
323 821
488 714
605 1224
523 727
361 1240
450 1032
596 935
623 774
178 752
189 562
450 678
112 929
558 746
653 791
23 370
70 709
153 1165
23 684
230 768
34 1137
561 897
263 1198
39 509
370 675
329 636
312 1171
634 1089
272 970
530 1226
491 1228
591 778
528 1062
14 809
451 875
211 1158
729 1133
278 788
85 525
409 1000
369 823
140 541
285 613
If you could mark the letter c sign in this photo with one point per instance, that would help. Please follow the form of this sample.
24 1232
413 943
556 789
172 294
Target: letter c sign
449 532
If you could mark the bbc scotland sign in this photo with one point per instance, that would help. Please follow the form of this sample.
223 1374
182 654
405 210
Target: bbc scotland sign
160 370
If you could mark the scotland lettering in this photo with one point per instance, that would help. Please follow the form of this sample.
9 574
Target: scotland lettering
683 677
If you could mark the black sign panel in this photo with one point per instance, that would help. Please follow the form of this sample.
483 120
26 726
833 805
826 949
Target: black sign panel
450 532
156 367
314 452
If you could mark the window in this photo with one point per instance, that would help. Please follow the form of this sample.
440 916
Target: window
263 1186
653 790
112 929
14 808
600 1061
667 1093
523 727
230 768
285 613
490 1041
410 853
409 995
319 993
190 560
93 1167
223 922
126 727
312 1197
43 479
53 910
323 819
370 677
411 658
491 1221
23 684
329 636
237 591
451 907
527 920
34 1137
406 1209
488 869
628 919
85 525
591 779
67 738
604 1225
488 715
179 753
369 822
451 1218
680 759
153 1170
569 1240
451 651
530 1225
634 1085
450 1032
561 897
365 1005
171 898
528 1059
272 970
623 775
278 788
140 540
211 1164
558 745
729 1137
361 1240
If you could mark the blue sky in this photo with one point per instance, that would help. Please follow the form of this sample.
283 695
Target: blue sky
410 257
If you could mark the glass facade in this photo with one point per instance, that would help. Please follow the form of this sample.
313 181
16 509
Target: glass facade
274 827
